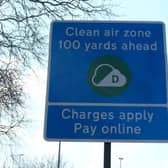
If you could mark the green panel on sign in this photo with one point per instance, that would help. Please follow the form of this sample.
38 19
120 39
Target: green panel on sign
109 75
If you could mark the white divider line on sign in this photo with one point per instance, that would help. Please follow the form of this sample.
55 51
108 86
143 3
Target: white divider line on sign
105 104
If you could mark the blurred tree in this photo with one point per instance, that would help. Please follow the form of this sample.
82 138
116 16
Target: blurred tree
24 26
20 161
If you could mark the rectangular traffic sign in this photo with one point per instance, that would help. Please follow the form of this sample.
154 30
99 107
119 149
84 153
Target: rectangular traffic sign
107 82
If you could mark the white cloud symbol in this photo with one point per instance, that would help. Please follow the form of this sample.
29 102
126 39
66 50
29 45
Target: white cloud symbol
113 79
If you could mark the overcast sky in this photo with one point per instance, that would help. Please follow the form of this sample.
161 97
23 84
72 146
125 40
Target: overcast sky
90 155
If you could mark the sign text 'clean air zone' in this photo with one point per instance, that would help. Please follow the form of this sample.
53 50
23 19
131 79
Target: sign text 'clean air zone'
107 82
130 45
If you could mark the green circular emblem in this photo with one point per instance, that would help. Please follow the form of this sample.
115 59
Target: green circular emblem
109 75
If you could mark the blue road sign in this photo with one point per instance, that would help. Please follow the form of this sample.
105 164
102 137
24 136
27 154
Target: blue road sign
107 82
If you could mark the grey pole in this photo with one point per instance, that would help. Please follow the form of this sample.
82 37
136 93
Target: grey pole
59 155
120 158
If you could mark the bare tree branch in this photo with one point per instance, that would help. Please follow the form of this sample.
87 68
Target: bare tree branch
24 34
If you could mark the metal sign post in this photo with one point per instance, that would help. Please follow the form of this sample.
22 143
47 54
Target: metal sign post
59 155
107 155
